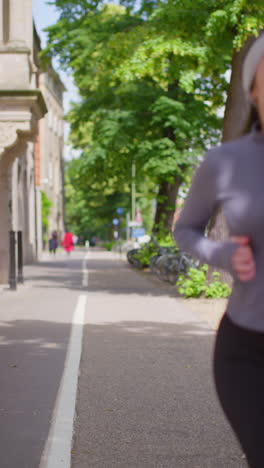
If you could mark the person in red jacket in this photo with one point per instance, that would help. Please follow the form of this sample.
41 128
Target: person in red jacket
68 242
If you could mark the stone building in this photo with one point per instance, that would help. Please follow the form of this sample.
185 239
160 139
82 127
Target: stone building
23 157
51 141
23 202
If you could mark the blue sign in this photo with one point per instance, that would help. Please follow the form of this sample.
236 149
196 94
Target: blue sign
115 221
138 232
120 211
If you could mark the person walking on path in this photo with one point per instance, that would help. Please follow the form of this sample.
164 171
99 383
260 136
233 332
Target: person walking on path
232 177
68 242
53 243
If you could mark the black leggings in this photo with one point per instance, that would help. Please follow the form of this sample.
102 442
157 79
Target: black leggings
239 379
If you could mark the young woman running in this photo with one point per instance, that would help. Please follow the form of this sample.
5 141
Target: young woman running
232 177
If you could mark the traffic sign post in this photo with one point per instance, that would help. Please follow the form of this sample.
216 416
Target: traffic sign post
134 224
127 226
138 232
138 217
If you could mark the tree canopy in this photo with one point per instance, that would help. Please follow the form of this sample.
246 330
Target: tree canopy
152 78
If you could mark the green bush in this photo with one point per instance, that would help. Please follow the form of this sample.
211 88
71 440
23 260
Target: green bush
108 245
46 205
195 283
146 253
166 241
217 288
150 249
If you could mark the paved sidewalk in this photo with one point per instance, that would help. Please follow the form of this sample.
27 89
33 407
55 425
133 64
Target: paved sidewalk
146 396
34 330
208 310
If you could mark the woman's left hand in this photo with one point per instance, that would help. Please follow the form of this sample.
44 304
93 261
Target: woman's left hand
243 260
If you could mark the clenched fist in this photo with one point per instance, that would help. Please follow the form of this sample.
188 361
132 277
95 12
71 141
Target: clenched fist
243 260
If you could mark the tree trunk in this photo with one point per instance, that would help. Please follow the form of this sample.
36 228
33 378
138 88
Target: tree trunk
236 114
166 202
168 192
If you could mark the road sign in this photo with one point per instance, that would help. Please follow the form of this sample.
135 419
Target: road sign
138 217
138 232
115 221
120 211
134 224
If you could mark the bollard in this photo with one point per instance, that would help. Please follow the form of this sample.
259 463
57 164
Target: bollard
12 260
20 278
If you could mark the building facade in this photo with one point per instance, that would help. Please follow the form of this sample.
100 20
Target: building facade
21 107
51 146
23 201
31 145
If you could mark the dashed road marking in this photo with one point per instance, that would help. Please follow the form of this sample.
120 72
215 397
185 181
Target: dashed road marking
85 272
58 447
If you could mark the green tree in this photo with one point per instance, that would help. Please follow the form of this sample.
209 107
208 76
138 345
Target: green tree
46 205
90 212
151 77
120 122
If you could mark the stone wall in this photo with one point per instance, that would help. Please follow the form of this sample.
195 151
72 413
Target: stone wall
51 148
21 106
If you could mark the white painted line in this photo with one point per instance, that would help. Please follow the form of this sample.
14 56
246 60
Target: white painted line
58 447
85 272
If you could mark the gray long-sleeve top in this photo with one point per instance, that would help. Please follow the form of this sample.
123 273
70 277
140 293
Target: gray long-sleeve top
231 176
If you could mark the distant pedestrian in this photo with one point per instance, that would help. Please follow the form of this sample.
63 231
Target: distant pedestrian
232 177
67 242
53 243
75 239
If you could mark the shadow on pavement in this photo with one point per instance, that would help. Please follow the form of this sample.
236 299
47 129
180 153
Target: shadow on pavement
147 399
31 366
105 275
145 395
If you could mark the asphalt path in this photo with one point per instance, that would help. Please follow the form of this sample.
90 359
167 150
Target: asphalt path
145 396
35 327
